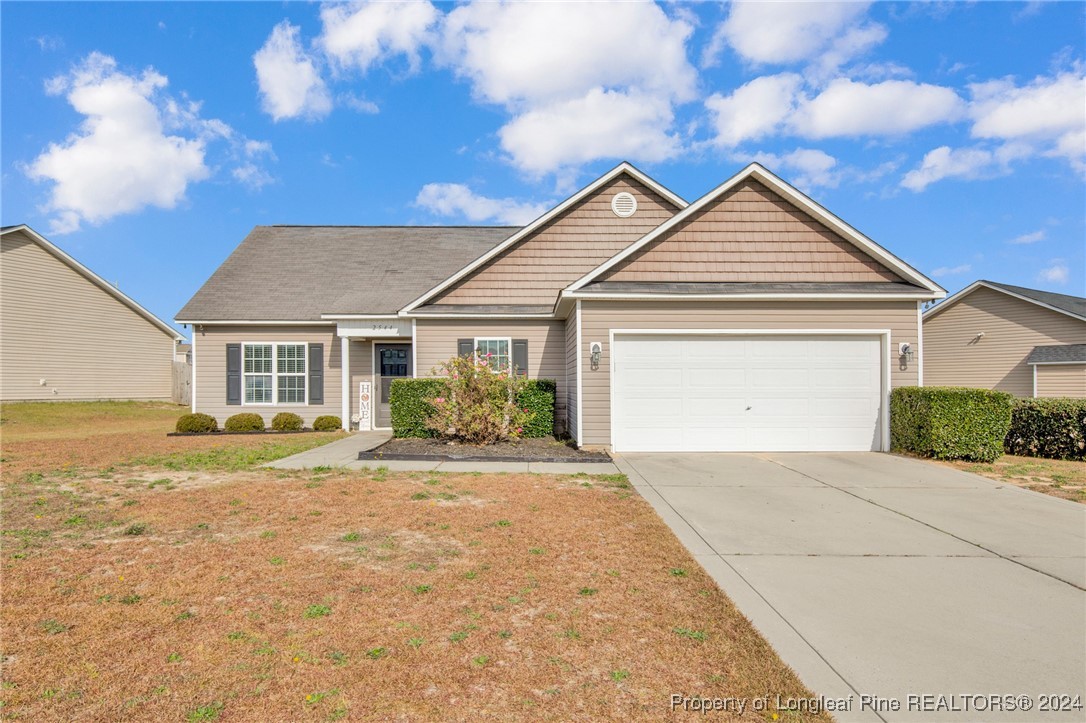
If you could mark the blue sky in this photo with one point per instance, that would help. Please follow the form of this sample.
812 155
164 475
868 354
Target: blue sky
147 138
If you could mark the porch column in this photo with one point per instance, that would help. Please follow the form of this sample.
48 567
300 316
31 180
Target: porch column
345 362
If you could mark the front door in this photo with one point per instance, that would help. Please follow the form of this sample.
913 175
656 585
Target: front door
393 360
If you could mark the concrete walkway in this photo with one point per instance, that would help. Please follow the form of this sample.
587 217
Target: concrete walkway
344 453
872 574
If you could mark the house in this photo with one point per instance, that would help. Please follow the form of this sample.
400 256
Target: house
750 319
67 334
1027 342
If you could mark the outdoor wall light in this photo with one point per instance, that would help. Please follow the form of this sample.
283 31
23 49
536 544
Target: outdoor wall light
905 349
595 350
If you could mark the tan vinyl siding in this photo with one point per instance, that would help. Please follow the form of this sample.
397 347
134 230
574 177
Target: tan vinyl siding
57 325
435 342
210 369
1061 380
361 359
559 253
1011 326
749 234
571 374
599 318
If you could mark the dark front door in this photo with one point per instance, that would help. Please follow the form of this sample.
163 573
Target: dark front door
393 360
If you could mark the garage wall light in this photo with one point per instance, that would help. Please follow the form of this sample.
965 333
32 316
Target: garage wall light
905 350
595 351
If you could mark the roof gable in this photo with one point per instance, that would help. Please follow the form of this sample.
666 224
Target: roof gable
1073 306
34 237
751 198
658 195
536 268
749 234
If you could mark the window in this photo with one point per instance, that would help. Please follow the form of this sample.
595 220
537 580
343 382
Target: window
495 352
290 373
274 373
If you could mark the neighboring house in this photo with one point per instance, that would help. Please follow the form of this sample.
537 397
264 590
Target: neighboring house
67 334
751 319
1023 341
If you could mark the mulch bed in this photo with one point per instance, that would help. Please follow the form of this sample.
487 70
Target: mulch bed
224 433
522 450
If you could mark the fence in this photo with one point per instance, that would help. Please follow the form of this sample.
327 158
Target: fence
182 382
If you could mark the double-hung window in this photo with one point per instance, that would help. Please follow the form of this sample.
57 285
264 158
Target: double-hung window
274 373
495 352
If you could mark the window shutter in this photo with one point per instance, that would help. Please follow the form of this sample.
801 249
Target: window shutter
316 373
465 347
520 356
233 373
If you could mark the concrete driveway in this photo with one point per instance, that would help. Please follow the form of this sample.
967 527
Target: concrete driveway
884 576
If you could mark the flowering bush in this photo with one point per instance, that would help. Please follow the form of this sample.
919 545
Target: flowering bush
477 404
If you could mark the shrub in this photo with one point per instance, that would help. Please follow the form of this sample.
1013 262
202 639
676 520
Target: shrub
327 423
1053 428
286 422
244 422
196 423
950 422
409 399
478 404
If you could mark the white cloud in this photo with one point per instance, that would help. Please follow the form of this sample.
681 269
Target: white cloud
455 199
1047 112
1057 273
576 78
544 52
964 163
359 35
290 83
849 108
602 124
1029 238
755 109
121 158
951 270
793 32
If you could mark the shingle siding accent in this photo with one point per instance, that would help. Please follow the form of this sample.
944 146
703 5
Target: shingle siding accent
749 234
534 270
436 340
599 318
954 356
57 325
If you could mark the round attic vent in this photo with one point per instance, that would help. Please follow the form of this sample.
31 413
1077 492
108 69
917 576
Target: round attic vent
624 205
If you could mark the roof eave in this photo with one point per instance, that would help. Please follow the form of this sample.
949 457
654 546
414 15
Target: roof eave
981 283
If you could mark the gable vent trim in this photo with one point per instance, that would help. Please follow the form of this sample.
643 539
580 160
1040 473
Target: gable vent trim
624 205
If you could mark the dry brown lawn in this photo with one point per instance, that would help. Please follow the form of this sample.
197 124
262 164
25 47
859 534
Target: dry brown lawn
1057 477
177 589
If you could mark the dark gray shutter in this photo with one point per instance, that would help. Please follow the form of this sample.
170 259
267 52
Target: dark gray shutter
233 373
465 347
316 373
520 356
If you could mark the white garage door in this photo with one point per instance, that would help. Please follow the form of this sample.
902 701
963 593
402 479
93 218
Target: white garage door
725 393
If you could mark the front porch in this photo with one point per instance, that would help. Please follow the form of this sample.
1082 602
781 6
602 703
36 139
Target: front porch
373 351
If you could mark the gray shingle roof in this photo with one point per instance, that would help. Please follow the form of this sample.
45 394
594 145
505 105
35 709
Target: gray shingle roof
1072 304
297 273
1058 354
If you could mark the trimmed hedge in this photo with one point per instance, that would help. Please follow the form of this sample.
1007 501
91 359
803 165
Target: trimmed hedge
1054 428
950 422
408 399
244 422
196 424
286 422
327 423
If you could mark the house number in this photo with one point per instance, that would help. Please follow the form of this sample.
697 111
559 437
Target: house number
382 327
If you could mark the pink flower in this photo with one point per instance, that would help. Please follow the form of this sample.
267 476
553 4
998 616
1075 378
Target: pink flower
526 409
439 400
489 354
520 429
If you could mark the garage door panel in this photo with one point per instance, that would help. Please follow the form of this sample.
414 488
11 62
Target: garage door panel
728 393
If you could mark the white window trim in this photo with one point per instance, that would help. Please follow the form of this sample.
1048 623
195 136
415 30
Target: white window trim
509 345
274 374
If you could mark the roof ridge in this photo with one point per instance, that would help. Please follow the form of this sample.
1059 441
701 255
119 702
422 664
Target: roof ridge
348 225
